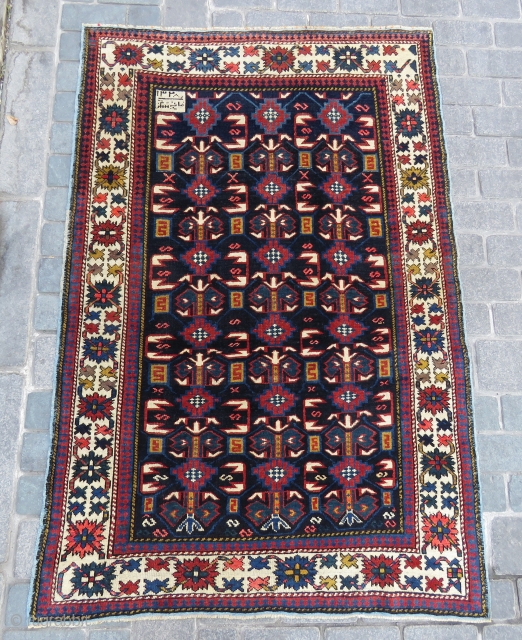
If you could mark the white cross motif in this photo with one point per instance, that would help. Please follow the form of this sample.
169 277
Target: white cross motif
201 191
202 115
200 258
270 115
277 400
274 331
200 335
277 473
193 474
340 257
197 401
272 188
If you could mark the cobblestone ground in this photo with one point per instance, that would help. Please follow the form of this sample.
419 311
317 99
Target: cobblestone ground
480 66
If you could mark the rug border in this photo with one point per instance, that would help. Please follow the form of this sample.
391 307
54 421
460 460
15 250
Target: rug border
37 622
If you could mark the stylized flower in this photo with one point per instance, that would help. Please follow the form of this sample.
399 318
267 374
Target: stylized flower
295 572
335 117
197 402
348 58
103 294
425 289
110 177
275 474
341 258
200 190
84 538
414 178
349 397
194 474
271 115
93 579
196 574
202 117
345 329
381 571
114 119
273 256
91 468
107 233
337 187
438 463
272 188
204 59
429 340
419 232
128 54
274 330
440 532
200 333
350 472
200 258
95 407
99 349
277 400
433 399
408 123
278 59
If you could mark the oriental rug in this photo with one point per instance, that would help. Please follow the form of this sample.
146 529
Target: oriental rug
263 394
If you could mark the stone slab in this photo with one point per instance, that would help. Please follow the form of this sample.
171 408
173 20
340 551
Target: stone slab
502 594
511 412
28 98
499 365
493 493
11 388
34 22
47 312
35 451
18 235
30 495
16 605
44 361
499 453
38 410
26 548
181 629
363 633
441 632
506 546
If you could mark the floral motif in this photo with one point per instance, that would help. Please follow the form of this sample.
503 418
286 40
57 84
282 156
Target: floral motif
107 233
114 119
278 59
128 54
295 572
95 407
414 178
196 574
204 59
434 399
93 579
419 232
110 177
409 123
348 58
381 571
85 538
440 532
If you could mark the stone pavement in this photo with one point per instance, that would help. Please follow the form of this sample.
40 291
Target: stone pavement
479 54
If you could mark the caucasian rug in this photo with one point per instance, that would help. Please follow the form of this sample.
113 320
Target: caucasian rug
263 394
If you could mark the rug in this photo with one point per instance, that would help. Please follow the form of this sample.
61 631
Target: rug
262 397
